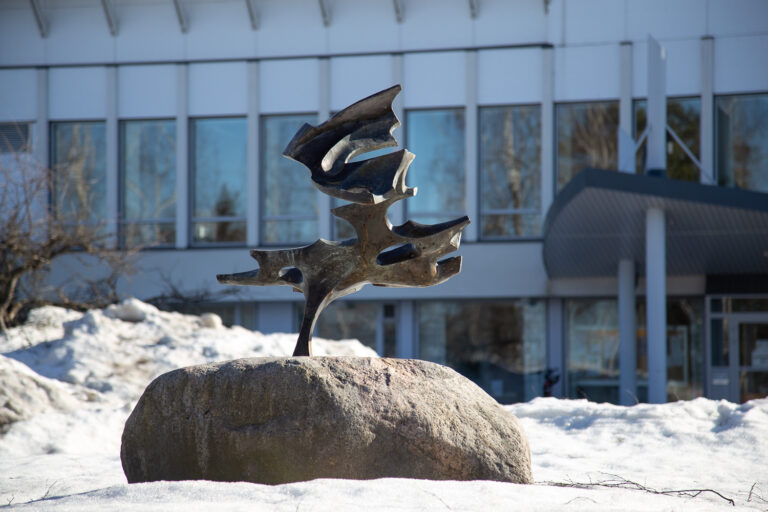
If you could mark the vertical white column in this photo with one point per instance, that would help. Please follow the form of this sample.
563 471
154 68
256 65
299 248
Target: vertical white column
707 118
471 196
182 155
41 121
657 106
253 179
324 216
555 339
656 304
548 172
112 181
406 331
397 211
627 330
626 141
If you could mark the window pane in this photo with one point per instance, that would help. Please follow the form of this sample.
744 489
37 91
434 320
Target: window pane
149 179
436 137
741 123
222 231
683 116
79 171
14 138
350 320
510 175
219 167
499 345
287 188
586 137
155 233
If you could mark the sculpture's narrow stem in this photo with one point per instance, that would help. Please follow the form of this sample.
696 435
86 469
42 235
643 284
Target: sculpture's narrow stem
313 306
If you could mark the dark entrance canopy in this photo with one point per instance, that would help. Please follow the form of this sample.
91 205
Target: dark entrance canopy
599 219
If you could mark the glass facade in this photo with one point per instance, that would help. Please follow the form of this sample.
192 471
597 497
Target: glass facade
498 344
78 158
684 117
289 200
510 171
586 137
741 146
436 137
219 166
148 165
592 339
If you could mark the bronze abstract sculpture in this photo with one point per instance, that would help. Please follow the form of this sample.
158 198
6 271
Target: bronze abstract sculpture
382 254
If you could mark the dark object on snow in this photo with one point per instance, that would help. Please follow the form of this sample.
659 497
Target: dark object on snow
550 379
381 255
281 420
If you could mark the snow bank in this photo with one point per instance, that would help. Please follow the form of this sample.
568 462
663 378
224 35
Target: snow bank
68 381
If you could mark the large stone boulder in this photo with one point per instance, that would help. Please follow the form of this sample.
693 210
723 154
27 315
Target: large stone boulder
285 420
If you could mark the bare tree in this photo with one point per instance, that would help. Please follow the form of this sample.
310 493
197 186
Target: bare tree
36 228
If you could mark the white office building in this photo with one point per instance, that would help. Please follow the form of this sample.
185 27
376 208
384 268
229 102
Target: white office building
628 285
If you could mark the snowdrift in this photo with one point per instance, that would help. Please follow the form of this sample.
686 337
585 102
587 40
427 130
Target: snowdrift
68 381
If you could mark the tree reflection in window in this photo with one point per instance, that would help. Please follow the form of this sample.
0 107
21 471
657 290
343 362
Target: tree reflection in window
510 171
219 169
741 124
289 200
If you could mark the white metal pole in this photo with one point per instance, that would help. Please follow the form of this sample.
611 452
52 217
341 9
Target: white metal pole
182 173
253 178
656 304
657 107
707 117
626 142
627 330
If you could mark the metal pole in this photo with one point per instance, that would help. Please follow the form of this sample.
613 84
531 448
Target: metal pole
627 330
656 304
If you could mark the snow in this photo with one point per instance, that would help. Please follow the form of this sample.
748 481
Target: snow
69 380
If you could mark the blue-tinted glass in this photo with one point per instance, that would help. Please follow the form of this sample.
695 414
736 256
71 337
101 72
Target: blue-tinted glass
289 200
436 137
79 171
683 116
742 141
149 170
498 344
586 137
510 170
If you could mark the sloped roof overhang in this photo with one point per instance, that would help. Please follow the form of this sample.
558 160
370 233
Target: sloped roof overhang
599 219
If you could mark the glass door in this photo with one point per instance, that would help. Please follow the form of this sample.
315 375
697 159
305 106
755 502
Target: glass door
749 369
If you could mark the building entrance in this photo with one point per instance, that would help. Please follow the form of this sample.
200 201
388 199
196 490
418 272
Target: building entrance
739 349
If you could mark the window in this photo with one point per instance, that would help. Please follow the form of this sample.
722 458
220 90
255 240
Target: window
586 137
436 137
79 171
741 125
289 200
219 166
510 171
148 151
14 138
593 349
683 116
498 344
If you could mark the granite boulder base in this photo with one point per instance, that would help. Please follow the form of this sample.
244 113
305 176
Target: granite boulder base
282 420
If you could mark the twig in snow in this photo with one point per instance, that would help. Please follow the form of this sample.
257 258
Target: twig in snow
623 483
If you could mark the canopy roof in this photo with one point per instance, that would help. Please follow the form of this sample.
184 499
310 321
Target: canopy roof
599 218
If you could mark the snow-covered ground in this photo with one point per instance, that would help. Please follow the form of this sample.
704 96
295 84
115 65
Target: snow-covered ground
69 380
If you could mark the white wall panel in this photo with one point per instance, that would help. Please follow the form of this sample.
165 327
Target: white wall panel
354 78
18 88
509 76
78 34
731 17
587 72
505 22
740 64
288 86
683 67
218 89
20 41
593 21
77 93
664 19
363 25
291 27
149 32
422 30
219 30
434 79
146 91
